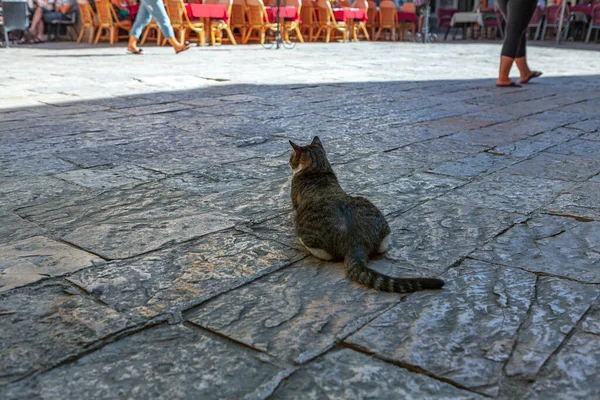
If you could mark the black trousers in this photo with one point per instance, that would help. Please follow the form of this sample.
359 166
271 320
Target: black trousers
517 14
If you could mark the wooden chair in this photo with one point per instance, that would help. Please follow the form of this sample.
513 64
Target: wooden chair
180 21
237 18
157 34
372 18
107 21
404 26
309 20
360 26
327 23
258 22
388 18
293 26
88 21
218 26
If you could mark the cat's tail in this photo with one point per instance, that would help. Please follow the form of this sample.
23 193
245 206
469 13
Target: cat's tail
357 270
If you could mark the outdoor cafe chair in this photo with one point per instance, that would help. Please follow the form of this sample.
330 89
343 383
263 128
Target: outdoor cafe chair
594 24
372 18
404 26
107 21
157 34
444 16
89 23
180 21
327 23
553 17
258 22
388 18
237 18
309 24
536 22
14 15
219 25
290 25
360 26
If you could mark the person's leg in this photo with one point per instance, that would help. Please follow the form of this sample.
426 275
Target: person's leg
37 25
142 19
512 39
521 55
159 14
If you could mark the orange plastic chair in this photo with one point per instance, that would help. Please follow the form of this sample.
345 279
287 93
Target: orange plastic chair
388 18
327 23
88 21
107 21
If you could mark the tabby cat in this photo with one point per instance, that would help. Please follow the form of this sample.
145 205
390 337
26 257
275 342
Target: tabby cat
333 225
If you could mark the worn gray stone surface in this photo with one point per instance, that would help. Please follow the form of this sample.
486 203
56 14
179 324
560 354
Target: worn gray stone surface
182 275
160 195
346 374
166 361
44 323
38 257
464 333
297 313
558 246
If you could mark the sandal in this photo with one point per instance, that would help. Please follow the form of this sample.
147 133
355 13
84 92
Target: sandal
37 41
186 45
136 52
512 84
534 74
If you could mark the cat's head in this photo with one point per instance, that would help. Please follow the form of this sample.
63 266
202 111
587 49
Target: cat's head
311 157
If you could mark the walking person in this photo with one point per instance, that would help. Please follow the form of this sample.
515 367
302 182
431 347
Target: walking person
153 9
517 14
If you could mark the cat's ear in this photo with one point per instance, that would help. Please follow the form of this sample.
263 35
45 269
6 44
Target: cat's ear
296 148
316 140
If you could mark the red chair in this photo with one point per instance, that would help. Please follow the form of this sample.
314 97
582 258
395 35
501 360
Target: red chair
536 22
553 17
444 16
594 23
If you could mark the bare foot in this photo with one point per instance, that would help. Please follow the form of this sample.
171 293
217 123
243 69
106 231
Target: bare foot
181 48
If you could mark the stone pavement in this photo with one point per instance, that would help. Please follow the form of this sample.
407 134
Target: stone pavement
146 239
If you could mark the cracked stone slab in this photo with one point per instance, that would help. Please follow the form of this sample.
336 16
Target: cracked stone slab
557 166
44 323
38 257
531 145
573 372
21 192
128 221
42 164
440 150
591 323
560 246
347 374
261 201
13 228
184 274
512 193
436 234
468 326
280 228
470 167
556 309
295 314
221 178
165 361
590 125
582 200
99 179
404 192
578 148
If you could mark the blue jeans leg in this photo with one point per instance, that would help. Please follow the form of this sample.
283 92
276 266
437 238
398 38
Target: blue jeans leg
142 20
157 9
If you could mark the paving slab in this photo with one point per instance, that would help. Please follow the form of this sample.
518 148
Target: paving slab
553 245
353 375
184 275
45 323
470 325
580 201
169 361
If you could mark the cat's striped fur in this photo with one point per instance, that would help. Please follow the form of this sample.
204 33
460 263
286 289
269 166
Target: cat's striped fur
333 225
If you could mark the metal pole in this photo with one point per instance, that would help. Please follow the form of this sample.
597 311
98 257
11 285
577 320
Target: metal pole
560 21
